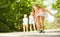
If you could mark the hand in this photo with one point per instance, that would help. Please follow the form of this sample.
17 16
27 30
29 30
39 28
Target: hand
52 14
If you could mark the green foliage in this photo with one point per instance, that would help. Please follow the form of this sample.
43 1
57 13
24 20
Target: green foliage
11 13
57 6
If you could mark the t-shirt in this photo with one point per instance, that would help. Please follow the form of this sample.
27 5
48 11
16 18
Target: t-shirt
30 17
25 20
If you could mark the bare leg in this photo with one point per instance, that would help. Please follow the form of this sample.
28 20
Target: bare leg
34 27
42 24
38 23
30 27
24 28
37 26
35 20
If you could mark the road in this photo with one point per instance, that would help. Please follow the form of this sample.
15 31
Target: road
47 33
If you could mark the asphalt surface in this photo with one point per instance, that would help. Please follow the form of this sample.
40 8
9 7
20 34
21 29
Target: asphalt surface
48 33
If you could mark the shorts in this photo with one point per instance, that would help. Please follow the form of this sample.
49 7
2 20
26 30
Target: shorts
31 22
41 15
25 23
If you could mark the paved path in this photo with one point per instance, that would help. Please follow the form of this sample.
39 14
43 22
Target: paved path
47 33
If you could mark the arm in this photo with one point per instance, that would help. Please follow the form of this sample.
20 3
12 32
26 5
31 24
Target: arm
49 12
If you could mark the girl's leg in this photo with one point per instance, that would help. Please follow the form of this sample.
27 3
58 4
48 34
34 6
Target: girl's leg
30 27
38 23
24 28
34 27
42 24
35 20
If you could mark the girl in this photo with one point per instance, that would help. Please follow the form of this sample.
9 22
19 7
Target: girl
39 14
25 23
31 21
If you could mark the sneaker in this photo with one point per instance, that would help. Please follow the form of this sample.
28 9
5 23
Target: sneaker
41 31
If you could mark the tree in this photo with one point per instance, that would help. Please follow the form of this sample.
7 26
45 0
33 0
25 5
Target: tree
57 6
11 14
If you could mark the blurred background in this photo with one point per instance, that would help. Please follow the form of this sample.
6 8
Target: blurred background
12 11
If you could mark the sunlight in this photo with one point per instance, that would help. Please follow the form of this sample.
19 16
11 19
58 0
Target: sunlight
49 3
50 18
17 0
